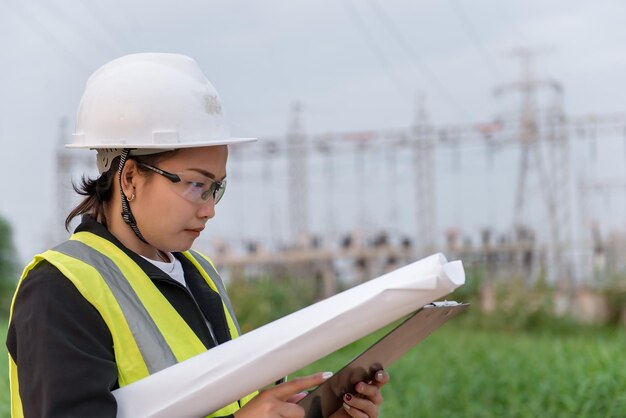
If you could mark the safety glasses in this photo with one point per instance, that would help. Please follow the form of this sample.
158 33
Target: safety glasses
194 187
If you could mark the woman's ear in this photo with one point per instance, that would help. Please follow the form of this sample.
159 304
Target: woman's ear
129 178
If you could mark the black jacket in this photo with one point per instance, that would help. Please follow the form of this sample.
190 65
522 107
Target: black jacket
63 348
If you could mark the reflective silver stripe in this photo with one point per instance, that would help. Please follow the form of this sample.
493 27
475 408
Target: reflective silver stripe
155 351
215 277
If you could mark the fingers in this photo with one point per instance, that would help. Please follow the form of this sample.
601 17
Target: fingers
267 405
381 378
279 401
368 398
359 407
297 397
286 390
371 392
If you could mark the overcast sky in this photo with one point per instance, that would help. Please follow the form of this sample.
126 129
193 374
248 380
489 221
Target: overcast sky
354 64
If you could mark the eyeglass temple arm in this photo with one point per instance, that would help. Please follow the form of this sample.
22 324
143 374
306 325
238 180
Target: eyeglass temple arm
171 177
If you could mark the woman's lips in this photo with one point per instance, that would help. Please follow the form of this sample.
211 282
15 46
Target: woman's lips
195 230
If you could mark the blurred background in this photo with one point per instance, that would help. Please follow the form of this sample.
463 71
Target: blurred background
491 131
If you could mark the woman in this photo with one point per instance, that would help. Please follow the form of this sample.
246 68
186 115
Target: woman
125 297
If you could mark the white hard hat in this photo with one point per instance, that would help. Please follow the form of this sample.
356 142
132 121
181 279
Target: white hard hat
150 103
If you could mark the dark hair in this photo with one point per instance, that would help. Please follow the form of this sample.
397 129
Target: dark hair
99 191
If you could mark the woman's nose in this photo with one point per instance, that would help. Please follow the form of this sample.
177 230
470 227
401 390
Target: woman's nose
207 210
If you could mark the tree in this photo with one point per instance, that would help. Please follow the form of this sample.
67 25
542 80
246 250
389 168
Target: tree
8 266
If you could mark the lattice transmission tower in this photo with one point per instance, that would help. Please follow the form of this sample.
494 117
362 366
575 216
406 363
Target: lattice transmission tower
544 152
424 178
297 174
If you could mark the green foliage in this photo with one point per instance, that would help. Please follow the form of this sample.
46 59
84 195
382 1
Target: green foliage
523 307
470 291
5 399
614 291
262 300
517 306
8 267
459 372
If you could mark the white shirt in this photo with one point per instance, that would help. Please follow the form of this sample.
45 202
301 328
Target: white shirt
173 269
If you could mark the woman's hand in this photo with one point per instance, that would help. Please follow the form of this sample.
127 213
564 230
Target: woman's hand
279 401
366 404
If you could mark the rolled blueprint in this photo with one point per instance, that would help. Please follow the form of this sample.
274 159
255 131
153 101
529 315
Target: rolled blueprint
207 382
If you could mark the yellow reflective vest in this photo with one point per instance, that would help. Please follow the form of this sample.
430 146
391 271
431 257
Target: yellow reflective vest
148 333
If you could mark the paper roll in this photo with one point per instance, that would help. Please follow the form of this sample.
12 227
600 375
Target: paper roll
209 381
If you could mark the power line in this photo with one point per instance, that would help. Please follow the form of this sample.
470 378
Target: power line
470 30
107 24
49 36
512 25
371 43
83 28
417 61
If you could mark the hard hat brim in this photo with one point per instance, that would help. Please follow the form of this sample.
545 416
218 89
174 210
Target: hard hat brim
119 145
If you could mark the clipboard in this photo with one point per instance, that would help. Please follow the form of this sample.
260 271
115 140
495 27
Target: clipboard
328 397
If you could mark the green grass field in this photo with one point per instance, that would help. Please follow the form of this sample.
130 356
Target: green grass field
462 373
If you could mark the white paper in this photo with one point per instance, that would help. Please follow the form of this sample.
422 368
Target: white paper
208 382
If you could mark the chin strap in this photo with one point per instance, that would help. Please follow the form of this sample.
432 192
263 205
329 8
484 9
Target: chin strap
127 215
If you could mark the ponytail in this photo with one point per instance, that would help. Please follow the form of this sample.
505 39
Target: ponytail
97 191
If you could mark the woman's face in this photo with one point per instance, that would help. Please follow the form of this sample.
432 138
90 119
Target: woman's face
168 219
